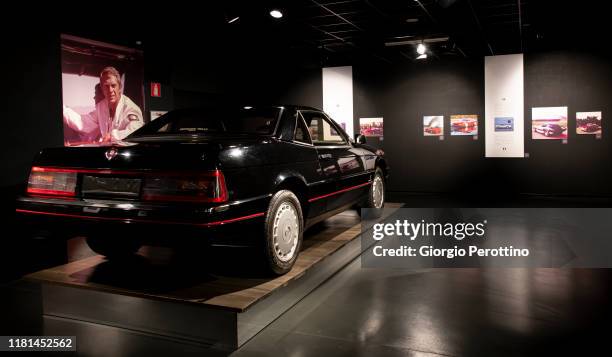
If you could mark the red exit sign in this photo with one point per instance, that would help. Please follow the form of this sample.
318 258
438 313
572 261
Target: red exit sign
155 89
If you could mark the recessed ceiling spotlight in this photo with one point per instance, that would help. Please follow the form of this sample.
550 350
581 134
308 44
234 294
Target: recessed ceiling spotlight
276 14
421 49
423 56
234 19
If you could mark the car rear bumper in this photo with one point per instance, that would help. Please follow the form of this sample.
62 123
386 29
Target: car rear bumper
229 223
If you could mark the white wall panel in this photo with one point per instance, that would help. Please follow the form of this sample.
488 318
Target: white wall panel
338 96
504 98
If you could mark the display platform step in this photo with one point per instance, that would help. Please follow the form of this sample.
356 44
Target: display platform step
157 296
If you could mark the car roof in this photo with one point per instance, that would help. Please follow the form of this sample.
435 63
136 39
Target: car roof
296 107
244 105
276 105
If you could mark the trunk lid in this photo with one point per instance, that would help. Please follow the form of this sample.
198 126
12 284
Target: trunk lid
148 156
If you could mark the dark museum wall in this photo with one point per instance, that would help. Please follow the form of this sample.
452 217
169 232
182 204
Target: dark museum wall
32 104
402 94
582 83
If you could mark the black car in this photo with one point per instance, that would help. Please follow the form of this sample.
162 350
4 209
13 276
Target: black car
256 176
549 129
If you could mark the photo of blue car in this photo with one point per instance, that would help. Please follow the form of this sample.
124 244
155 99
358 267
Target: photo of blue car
504 124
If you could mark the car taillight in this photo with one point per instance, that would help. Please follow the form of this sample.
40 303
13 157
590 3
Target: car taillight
202 187
51 181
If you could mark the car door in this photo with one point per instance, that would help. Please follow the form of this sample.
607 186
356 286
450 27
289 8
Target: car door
341 166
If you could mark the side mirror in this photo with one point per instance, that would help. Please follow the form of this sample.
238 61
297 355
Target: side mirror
360 139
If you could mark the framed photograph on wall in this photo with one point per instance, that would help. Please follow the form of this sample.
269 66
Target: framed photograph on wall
504 124
549 123
588 123
433 125
371 127
464 124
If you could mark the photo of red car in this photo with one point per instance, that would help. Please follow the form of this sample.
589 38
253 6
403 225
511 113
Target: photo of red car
433 125
464 125
588 123
371 127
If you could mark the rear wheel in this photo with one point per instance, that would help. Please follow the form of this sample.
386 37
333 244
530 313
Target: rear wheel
113 247
284 228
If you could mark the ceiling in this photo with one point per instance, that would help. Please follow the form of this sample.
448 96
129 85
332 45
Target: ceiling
333 32
388 30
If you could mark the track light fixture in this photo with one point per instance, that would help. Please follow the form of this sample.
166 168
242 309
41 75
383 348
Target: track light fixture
421 49
275 13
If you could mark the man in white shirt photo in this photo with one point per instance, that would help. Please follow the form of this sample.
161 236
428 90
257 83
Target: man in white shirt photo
115 117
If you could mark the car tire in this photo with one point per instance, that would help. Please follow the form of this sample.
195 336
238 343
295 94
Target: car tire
112 247
376 195
283 232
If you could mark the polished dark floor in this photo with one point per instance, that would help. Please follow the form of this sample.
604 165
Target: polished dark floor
447 312
458 312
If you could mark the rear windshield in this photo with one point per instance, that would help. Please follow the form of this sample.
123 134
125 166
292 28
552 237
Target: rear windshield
245 120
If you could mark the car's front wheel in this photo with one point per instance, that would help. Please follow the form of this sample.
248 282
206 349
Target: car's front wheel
284 228
113 247
376 195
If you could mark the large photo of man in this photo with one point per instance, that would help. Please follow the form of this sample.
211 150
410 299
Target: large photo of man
102 88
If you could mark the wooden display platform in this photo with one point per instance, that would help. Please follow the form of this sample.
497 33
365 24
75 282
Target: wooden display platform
163 296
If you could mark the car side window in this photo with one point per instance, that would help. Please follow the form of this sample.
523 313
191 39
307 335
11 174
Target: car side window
322 131
301 131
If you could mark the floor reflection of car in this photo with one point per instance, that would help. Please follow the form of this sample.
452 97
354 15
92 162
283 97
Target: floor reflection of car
549 129
433 130
590 127
227 176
